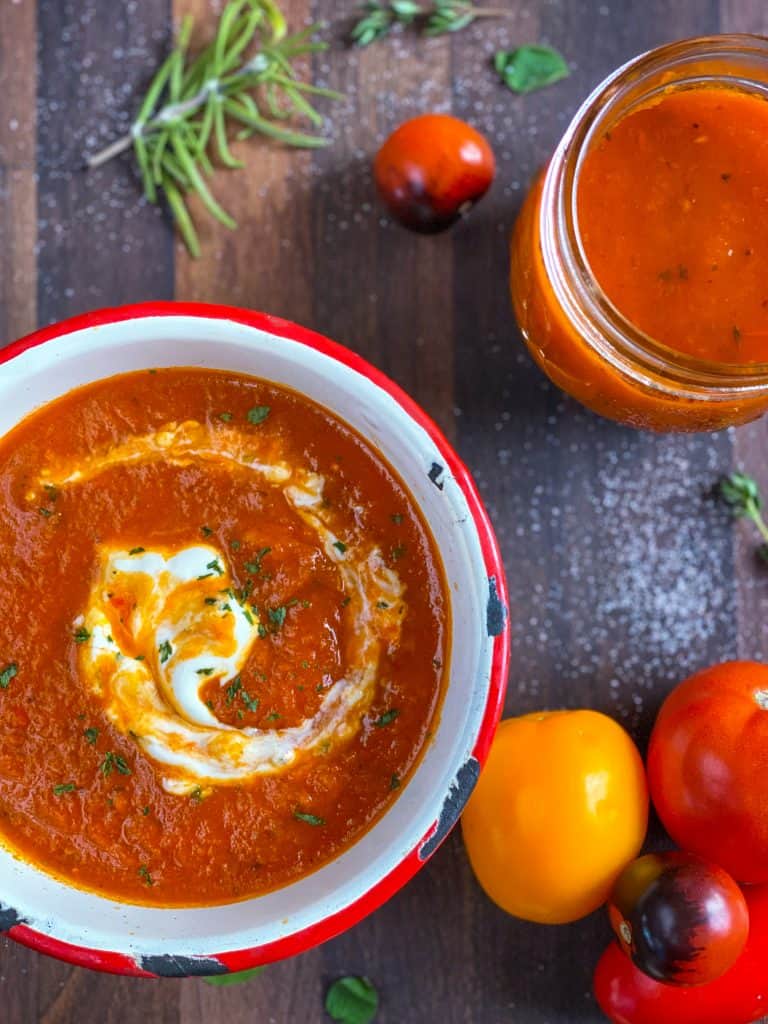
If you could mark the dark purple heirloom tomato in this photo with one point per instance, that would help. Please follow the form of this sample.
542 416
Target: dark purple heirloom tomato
681 920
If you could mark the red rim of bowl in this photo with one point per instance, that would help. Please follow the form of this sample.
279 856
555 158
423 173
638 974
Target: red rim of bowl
381 891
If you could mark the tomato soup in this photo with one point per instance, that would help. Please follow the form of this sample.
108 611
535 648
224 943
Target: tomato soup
223 637
673 216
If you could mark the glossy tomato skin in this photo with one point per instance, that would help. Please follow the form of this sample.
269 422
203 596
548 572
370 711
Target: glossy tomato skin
680 919
708 767
432 170
560 807
627 996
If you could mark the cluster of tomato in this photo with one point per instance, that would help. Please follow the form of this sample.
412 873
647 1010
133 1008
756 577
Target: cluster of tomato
691 925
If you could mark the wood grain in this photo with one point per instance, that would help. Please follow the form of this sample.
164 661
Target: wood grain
18 212
624 575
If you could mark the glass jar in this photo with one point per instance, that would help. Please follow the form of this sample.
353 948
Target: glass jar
575 334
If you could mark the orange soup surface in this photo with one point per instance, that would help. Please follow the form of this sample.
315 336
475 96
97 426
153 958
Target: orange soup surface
223 637
673 213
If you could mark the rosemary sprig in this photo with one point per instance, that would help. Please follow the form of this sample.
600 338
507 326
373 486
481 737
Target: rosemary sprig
742 493
433 19
245 77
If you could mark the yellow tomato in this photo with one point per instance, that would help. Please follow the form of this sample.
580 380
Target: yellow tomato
560 808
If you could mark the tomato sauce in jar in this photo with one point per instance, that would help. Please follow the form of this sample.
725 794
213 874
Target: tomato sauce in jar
639 263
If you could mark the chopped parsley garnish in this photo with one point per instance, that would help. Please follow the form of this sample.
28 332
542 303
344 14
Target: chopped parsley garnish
214 566
394 782
346 601
382 604
340 546
251 703
196 794
306 604
91 734
64 787
254 567
310 819
206 531
305 663
81 635
277 616
235 545
140 657
233 689
165 651
205 671
258 414
273 716
387 718
45 512
52 491
205 576
210 600
144 873
8 673
262 631
249 619
136 551
396 518
112 761
398 552
145 810
225 417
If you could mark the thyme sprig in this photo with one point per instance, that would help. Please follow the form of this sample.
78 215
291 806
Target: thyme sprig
742 493
246 78
433 19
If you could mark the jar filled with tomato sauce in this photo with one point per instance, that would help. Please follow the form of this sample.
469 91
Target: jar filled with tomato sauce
640 257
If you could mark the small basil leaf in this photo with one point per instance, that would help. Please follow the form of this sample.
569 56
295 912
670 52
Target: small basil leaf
235 978
352 1001
530 67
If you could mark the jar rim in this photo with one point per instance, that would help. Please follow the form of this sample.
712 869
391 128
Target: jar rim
601 324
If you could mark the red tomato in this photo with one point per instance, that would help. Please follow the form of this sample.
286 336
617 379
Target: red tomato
627 996
680 919
432 170
708 767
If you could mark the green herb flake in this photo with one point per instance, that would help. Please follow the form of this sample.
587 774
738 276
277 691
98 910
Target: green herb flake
81 635
382 605
277 616
398 551
205 671
310 819
234 978
210 600
233 689
225 417
387 718
197 794
165 651
52 491
215 566
273 716
114 761
251 703
140 657
258 414
352 1000
262 630
394 782
46 513
254 567
235 545
91 735
305 663
528 68
145 810
340 546
206 531
9 672
144 874
64 787
136 551
397 518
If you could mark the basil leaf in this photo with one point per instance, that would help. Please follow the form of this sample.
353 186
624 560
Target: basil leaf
529 68
235 978
352 1001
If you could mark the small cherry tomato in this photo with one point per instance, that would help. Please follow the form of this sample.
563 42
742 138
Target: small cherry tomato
708 767
432 170
627 996
560 807
680 919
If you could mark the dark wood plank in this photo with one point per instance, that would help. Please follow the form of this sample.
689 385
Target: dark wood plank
98 246
18 211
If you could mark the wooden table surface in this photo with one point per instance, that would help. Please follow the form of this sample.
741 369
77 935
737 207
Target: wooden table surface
624 575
